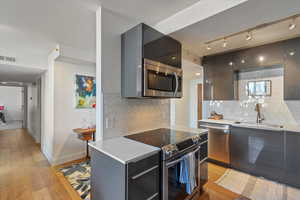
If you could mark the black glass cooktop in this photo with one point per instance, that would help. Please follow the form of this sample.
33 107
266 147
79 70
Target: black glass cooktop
161 137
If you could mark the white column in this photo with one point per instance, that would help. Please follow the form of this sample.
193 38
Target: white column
99 97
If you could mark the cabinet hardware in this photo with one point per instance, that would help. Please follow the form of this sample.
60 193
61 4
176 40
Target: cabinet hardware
144 172
152 197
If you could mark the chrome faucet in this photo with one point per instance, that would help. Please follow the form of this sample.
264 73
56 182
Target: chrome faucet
259 117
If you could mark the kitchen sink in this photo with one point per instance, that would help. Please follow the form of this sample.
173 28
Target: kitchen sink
259 126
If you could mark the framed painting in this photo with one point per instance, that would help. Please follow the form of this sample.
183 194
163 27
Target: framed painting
85 91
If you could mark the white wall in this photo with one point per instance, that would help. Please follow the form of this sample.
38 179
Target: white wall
184 111
124 116
12 99
34 111
67 146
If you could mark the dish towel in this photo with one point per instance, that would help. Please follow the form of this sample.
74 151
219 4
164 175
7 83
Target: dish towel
187 172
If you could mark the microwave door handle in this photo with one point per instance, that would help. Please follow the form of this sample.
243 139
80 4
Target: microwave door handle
176 88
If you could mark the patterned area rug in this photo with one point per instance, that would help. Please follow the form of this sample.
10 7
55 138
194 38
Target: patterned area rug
78 176
256 188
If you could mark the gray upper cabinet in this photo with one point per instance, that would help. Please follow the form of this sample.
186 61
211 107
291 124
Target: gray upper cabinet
151 64
220 70
261 56
218 78
292 69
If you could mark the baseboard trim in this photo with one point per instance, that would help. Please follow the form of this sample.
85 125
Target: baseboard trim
68 158
47 155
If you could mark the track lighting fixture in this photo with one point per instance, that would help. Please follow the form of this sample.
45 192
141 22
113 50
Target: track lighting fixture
293 24
249 36
208 47
224 43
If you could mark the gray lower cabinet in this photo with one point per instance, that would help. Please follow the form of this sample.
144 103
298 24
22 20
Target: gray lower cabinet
143 179
113 180
258 152
292 172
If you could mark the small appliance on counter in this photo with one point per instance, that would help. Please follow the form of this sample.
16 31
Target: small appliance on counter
151 64
214 115
175 145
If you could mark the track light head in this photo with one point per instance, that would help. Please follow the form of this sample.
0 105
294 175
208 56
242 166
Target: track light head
249 36
293 24
224 43
208 47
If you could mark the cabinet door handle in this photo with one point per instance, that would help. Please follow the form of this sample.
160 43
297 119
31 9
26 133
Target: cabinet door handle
152 197
144 172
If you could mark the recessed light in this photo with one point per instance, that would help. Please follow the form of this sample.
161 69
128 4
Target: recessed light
198 74
243 61
231 63
173 57
261 58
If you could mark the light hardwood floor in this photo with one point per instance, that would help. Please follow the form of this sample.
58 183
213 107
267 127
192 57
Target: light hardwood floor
25 174
212 190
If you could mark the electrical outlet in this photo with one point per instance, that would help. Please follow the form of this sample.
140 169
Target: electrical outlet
107 122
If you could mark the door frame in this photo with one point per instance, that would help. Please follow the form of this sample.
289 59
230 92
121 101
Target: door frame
24 100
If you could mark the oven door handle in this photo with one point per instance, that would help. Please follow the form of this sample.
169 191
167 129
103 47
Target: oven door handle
177 83
180 159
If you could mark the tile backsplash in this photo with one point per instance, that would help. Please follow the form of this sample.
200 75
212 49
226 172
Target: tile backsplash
274 109
274 112
126 116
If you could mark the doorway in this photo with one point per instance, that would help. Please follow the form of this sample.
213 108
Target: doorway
13 109
200 99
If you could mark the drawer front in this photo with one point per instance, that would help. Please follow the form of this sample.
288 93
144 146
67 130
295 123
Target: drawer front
144 186
140 166
203 151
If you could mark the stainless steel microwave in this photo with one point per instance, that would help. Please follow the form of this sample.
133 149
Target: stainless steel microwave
151 64
161 80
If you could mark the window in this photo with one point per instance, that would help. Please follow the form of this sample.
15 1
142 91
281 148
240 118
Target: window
259 88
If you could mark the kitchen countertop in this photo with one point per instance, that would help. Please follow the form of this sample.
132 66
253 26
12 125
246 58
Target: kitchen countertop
286 127
187 129
221 121
124 150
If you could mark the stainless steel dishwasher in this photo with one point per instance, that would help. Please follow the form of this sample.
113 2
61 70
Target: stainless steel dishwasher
218 142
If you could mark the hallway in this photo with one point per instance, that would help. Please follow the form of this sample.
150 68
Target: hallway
24 171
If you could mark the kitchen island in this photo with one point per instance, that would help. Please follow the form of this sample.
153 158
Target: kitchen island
141 166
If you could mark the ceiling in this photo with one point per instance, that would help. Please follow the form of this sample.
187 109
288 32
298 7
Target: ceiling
37 26
242 17
10 73
150 12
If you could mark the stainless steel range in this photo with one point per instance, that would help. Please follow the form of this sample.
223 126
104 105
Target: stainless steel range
174 146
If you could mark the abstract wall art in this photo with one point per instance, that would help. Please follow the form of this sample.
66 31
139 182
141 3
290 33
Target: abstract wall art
85 91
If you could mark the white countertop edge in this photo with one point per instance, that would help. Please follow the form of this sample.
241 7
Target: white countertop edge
135 158
291 128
